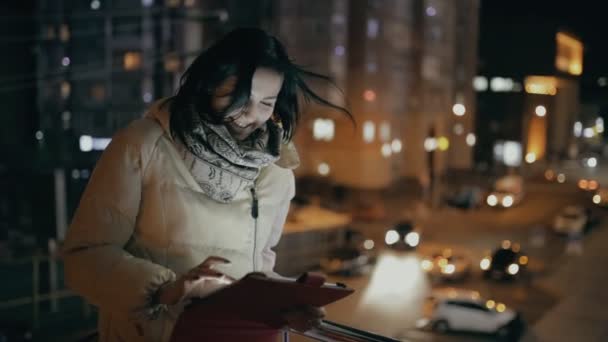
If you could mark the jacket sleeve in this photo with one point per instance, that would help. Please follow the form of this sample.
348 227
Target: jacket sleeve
96 264
268 255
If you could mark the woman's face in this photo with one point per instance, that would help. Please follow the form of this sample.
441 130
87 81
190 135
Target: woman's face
241 122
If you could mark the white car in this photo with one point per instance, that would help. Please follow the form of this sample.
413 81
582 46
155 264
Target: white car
465 310
572 220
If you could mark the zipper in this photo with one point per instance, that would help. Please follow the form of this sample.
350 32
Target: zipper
254 214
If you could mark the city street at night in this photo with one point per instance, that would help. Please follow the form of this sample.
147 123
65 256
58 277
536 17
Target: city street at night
445 159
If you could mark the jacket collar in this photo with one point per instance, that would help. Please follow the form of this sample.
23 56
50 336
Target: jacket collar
159 111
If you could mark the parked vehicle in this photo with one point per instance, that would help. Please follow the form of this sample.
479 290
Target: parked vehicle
445 265
465 310
355 257
573 219
507 262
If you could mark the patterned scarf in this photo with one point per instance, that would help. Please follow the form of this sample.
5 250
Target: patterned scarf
223 166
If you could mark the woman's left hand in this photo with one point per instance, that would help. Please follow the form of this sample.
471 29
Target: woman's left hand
304 318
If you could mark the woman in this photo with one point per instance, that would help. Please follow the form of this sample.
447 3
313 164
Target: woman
194 193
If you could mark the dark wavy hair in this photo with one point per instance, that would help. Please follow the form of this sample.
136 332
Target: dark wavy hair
239 54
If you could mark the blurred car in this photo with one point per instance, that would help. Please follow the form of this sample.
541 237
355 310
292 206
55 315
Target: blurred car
508 191
465 310
600 198
446 265
573 219
588 184
465 198
355 257
590 160
505 263
403 235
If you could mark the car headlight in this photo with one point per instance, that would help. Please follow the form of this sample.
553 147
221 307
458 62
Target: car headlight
484 264
597 199
492 200
368 244
391 237
507 201
426 265
448 269
412 239
513 269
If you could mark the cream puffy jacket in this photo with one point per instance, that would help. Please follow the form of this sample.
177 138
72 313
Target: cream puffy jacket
143 220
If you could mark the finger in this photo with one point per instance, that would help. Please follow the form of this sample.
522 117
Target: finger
212 260
204 272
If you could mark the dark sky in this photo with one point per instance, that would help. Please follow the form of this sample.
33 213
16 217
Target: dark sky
585 18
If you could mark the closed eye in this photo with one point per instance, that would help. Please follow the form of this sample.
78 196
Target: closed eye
268 104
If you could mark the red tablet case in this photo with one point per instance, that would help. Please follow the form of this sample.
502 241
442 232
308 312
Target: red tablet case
259 299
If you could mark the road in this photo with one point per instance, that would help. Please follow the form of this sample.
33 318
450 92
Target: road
389 299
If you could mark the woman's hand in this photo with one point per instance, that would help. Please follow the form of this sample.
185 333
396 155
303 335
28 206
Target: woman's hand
304 318
182 287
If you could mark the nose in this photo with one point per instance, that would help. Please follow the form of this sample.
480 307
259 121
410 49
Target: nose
248 116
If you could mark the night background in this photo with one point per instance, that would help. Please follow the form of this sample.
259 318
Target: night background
468 203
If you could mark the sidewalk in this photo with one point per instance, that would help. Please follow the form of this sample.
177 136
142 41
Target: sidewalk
582 312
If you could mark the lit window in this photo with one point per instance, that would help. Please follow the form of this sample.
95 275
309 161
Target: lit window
147 97
372 28
578 129
458 109
458 129
430 144
512 153
544 85
323 129
569 57
65 89
396 145
339 50
599 125
95 4
443 143
64 33
172 63
369 131
65 61
499 84
132 60
385 131
471 139
386 150
480 83
88 143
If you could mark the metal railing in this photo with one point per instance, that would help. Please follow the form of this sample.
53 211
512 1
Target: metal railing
36 295
330 331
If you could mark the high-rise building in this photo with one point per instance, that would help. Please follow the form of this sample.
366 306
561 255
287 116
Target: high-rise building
405 69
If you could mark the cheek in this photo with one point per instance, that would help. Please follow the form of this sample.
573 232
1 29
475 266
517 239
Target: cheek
220 103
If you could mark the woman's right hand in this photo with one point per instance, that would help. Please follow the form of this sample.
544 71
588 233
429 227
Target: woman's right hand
180 289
